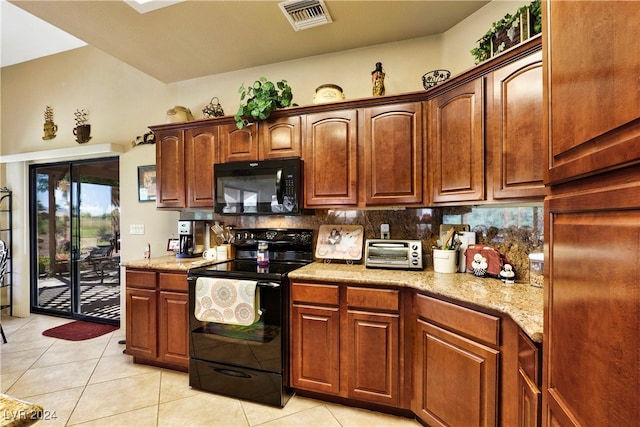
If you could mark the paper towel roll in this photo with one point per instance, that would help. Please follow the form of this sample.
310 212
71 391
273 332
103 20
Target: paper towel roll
466 238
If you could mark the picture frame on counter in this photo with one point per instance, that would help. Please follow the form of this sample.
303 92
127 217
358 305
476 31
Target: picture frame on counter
340 243
173 245
147 183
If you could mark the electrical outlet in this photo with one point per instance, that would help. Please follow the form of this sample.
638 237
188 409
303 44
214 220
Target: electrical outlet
384 231
136 228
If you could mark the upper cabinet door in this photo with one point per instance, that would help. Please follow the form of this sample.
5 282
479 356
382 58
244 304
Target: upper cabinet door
514 129
331 159
201 152
280 138
393 154
592 87
170 175
238 144
456 157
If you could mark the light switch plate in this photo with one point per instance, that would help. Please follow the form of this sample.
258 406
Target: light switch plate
136 228
384 231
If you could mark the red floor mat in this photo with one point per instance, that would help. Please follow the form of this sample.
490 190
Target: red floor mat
79 330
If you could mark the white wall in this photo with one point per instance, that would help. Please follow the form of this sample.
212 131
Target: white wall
123 101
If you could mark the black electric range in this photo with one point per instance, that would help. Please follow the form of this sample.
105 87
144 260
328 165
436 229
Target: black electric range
249 362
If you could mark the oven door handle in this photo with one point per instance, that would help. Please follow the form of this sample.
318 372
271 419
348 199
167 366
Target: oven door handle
231 372
268 285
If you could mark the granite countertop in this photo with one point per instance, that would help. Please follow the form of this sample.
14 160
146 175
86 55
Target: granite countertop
169 262
522 302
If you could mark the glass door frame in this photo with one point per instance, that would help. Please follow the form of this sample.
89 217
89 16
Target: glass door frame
75 256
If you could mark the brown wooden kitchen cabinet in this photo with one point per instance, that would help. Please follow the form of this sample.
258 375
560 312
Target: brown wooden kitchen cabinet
330 154
238 144
393 172
364 157
170 173
492 155
514 139
591 373
529 377
157 327
373 340
184 166
456 360
593 101
280 138
456 144
274 138
338 333
201 153
141 303
315 337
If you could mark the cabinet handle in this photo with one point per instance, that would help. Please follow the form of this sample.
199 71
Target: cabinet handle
279 185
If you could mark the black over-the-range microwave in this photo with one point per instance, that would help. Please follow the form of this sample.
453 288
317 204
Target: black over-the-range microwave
260 187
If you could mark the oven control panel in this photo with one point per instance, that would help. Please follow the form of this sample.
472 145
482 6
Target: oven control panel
292 236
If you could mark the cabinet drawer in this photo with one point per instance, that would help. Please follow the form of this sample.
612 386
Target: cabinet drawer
315 293
173 282
141 279
478 325
375 299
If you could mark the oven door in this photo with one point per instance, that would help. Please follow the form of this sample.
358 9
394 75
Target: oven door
259 346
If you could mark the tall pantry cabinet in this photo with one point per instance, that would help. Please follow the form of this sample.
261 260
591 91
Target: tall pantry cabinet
591 367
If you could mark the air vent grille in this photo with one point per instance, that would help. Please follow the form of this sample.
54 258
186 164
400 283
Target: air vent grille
303 14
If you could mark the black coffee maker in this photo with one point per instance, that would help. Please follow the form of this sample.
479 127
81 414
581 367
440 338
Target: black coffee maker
189 233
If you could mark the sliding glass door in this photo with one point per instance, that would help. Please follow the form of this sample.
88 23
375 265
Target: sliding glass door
75 235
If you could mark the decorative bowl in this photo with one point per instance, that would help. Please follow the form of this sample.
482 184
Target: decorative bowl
435 77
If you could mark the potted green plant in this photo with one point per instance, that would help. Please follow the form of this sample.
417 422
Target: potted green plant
505 32
261 99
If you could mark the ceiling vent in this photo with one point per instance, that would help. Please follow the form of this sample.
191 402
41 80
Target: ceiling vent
303 14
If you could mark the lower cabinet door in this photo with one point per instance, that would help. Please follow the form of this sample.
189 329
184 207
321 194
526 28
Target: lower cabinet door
456 379
315 356
141 323
173 334
374 365
529 399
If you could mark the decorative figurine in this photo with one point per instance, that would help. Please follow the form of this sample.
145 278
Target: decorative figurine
377 79
479 265
507 275
147 138
50 128
213 110
82 131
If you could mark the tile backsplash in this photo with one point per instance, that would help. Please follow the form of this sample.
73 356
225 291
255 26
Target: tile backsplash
515 231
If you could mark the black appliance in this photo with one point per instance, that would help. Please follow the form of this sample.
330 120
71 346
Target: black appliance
250 362
264 187
191 235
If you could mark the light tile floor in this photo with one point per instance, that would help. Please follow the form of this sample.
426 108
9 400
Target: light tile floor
92 383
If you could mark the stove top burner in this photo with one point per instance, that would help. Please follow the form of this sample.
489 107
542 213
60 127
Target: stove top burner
288 249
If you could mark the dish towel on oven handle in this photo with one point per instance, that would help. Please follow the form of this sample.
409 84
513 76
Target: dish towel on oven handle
229 301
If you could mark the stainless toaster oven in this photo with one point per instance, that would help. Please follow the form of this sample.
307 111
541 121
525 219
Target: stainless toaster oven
400 254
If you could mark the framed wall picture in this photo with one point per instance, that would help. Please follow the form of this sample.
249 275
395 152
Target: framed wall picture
147 183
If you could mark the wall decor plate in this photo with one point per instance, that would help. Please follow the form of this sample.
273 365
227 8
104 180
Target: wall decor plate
340 242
